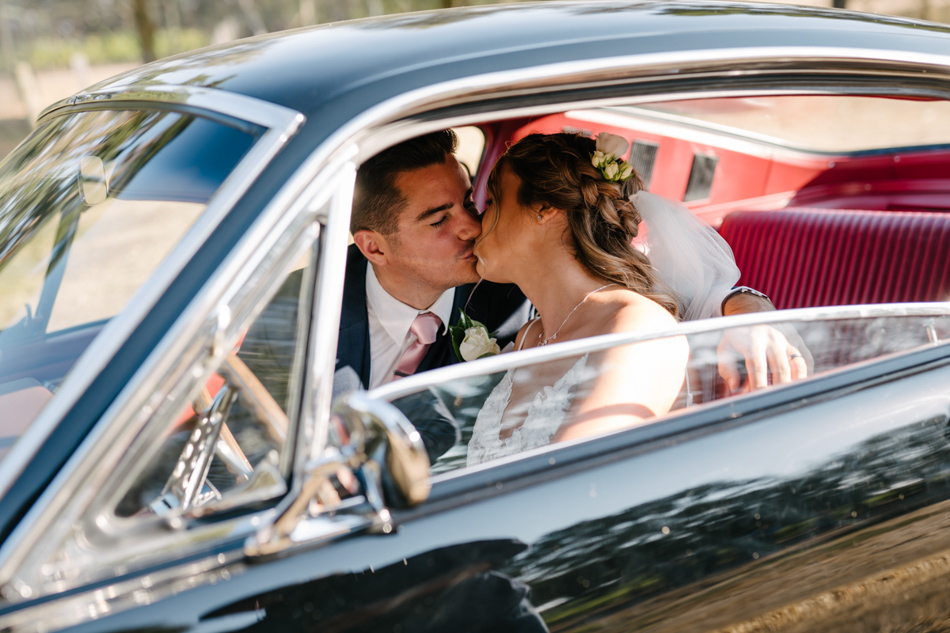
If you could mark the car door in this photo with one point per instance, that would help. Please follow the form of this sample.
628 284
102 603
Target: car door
810 506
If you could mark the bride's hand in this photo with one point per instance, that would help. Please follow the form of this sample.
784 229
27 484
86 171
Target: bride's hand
765 352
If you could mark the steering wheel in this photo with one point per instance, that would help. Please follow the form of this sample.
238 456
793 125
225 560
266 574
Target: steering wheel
188 486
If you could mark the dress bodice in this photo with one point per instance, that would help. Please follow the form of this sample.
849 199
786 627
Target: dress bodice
544 417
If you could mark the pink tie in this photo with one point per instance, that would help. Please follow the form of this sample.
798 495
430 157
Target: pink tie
425 328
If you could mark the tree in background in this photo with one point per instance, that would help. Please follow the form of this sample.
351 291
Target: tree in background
145 28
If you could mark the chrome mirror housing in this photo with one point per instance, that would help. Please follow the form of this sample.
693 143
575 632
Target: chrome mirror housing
374 454
392 445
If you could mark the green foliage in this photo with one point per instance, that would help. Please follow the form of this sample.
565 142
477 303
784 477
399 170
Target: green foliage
110 48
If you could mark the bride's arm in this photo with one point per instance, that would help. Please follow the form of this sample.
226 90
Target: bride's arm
630 384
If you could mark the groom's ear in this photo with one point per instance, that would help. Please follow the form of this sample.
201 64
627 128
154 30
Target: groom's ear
373 245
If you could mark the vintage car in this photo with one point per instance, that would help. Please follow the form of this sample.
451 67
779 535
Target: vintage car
164 470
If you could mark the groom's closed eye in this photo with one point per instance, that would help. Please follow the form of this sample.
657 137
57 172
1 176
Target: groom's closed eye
429 214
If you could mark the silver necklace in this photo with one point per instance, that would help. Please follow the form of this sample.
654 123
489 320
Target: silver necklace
553 337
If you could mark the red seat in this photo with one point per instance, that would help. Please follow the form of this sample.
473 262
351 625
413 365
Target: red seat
813 257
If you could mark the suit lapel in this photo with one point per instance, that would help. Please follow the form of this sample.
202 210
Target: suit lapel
353 343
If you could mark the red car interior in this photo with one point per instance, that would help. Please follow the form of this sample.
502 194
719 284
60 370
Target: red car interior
807 228
814 257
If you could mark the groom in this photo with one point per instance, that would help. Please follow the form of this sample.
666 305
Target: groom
414 225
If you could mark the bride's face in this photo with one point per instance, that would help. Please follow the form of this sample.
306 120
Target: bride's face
505 228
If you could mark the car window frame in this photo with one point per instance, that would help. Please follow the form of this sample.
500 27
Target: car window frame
497 97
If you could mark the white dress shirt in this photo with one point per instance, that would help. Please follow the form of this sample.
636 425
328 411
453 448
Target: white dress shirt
389 322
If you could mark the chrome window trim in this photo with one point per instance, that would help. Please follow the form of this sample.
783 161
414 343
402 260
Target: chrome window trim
725 62
569 349
231 104
328 301
107 343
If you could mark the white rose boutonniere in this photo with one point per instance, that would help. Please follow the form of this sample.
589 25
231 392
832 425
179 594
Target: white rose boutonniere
471 339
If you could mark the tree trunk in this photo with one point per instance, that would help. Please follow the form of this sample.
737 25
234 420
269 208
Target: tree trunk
146 29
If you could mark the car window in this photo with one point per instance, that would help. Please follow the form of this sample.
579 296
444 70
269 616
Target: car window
535 400
834 123
92 204
232 438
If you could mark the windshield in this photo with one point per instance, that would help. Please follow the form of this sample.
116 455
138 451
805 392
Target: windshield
90 205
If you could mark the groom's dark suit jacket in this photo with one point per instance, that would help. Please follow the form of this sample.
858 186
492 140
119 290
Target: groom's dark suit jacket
501 307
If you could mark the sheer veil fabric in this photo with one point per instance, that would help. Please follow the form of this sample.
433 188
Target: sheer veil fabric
692 261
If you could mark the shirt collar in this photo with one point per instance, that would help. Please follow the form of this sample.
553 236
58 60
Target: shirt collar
395 316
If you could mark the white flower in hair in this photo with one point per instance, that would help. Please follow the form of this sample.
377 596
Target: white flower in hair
606 157
611 144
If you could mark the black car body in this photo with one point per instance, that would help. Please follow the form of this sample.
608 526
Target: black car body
817 505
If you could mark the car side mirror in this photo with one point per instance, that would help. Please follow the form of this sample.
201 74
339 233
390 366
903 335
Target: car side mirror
395 453
375 453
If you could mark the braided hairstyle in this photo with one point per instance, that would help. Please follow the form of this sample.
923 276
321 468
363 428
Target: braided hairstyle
555 170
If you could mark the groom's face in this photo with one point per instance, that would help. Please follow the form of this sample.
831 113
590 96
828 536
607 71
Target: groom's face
436 228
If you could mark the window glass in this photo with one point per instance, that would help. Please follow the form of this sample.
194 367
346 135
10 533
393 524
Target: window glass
229 441
531 405
828 123
90 205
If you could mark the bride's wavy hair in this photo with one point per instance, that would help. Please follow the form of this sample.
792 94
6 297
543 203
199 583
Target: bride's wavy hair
555 170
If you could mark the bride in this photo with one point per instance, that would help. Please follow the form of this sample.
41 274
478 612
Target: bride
560 224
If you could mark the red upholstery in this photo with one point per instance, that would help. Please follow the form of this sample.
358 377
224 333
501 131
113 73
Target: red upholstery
812 257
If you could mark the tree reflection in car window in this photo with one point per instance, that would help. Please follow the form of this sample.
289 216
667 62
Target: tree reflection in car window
829 346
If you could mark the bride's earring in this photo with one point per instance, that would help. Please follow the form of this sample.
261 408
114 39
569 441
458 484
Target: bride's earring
539 217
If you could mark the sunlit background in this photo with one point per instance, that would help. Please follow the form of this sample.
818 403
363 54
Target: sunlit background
50 49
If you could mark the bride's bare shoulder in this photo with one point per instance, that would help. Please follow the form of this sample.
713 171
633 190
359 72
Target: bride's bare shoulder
639 312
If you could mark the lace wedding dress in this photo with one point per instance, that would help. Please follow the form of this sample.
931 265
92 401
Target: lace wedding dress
545 415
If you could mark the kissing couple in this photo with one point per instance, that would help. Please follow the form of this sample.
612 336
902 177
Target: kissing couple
557 234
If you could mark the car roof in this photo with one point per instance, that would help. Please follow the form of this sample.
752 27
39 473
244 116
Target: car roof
357 64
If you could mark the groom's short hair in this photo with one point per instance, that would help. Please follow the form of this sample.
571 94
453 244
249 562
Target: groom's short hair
377 201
